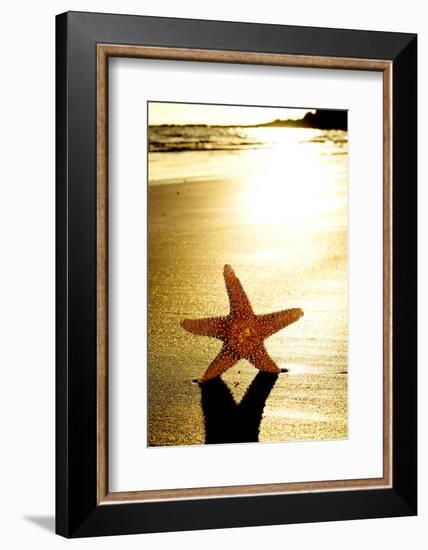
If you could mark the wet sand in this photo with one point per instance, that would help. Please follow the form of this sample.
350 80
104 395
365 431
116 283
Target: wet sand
195 228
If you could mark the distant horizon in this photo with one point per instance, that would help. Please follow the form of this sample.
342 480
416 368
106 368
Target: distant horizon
198 114
226 125
321 119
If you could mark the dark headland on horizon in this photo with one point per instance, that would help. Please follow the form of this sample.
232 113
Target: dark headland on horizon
321 119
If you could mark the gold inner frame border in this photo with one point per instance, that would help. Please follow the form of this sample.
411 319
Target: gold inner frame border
104 52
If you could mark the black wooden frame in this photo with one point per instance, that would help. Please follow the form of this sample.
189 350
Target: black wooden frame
77 512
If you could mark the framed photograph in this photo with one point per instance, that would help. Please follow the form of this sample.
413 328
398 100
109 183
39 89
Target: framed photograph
236 274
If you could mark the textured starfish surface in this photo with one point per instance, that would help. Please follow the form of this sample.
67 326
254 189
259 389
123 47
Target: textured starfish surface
242 331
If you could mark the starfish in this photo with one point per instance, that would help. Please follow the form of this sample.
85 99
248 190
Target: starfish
242 331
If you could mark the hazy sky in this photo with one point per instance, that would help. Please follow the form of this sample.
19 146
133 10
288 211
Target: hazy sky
187 113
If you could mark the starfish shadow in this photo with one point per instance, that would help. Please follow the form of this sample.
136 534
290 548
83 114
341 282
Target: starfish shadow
229 422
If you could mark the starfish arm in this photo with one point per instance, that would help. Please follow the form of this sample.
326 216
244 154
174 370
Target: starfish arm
224 360
239 302
213 326
259 357
273 322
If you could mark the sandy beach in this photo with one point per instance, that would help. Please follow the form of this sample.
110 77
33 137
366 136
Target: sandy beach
285 257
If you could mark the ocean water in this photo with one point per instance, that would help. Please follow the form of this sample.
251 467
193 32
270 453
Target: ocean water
273 203
207 151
